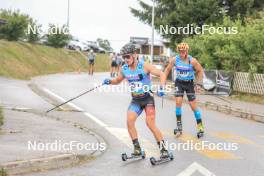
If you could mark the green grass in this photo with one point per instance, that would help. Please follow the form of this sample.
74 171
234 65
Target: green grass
24 60
259 99
3 172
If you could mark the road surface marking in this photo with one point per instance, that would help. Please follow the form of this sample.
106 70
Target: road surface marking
232 137
213 154
99 122
62 99
119 133
122 135
196 167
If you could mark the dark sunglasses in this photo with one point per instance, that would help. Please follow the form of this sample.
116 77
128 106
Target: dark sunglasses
126 56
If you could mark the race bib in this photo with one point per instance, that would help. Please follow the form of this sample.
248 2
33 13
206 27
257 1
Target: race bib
183 73
136 87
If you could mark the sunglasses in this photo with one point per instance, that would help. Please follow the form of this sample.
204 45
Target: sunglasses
126 56
182 51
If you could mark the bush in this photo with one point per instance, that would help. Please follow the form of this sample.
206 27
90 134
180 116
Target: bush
243 51
57 36
33 36
16 25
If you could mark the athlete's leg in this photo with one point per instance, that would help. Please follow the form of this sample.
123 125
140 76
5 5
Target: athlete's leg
111 71
193 105
89 67
178 112
150 121
179 92
197 115
134 110
115 72
92 69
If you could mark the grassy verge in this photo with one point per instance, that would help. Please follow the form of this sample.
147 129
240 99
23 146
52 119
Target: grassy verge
3 172
248 97
24 60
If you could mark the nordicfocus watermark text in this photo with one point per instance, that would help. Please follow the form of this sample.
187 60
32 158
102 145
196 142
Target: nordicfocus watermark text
199 146
56 29
190 29
58 145
132 87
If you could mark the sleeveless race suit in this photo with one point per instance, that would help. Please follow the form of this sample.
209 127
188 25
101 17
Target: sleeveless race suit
184 78
140 87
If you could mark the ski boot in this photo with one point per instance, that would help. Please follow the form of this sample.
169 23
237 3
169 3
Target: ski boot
200 129
178 130
165 156
138 153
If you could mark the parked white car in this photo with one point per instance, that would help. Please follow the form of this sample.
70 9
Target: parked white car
78 45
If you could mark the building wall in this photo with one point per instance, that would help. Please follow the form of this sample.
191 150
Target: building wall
146 49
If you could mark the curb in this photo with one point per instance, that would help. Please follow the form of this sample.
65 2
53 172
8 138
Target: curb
233 111
42 164
227 110
52 162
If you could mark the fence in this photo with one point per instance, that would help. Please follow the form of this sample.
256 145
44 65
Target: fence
242 83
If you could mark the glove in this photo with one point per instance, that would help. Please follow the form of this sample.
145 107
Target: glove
107 81
198 87
161 91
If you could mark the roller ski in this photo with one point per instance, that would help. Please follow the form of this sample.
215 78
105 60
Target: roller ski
165 156
200 132
138 153
178 130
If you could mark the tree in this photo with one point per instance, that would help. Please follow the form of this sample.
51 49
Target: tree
243 51
179 13
33 35
58 37
16 25
105 44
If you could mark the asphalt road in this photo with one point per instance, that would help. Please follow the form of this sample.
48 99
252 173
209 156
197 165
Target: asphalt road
243 139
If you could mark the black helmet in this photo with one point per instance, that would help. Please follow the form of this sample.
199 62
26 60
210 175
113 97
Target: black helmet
128 49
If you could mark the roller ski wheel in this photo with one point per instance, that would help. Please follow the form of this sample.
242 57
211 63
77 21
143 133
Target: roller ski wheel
142 155
177 132
162 159
200 134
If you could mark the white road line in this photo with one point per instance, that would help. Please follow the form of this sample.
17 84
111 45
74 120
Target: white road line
195 167
62 99
99 122
120 133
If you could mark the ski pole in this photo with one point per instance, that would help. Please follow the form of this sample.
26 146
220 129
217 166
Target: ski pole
74 98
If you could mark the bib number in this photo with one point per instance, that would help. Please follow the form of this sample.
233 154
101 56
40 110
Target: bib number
136 86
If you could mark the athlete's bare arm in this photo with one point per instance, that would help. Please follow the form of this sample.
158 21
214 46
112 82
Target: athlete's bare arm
199 70
118 79
154 71
169 67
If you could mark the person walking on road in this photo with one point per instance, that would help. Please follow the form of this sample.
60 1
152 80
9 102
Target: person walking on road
186 67
119 61
138 75
91 59
113 71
